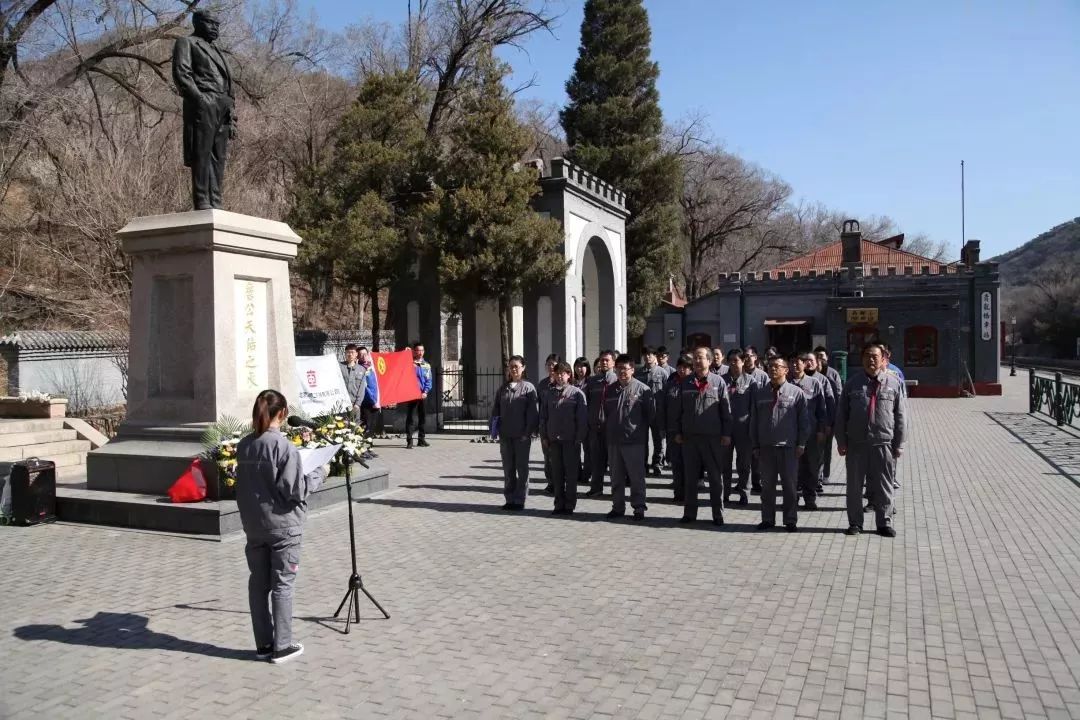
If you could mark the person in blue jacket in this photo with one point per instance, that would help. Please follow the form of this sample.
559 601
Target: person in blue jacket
423 377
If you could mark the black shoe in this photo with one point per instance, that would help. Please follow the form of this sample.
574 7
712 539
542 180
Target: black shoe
809 505
718 521
639 515
557 511
790 527
594 493
686 520
615 514
820 488
423 443
853 530
755 491
868 508
507 506
284 656
887 531
743 500
264 653
409 445
765 525
549 490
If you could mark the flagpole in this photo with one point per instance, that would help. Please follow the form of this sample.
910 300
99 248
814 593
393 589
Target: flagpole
963 227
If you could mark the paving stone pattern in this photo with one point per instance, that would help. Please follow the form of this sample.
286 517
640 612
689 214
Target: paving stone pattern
970 612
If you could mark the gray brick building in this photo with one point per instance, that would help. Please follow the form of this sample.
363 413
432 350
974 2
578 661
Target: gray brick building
941 320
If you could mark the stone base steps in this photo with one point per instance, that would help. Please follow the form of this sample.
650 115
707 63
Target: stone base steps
210 520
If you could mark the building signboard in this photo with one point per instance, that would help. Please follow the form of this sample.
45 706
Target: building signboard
862 316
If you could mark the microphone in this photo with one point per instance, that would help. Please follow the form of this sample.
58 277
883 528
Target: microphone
297 421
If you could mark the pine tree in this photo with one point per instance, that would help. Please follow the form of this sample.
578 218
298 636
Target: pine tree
613 125
493 245
349 208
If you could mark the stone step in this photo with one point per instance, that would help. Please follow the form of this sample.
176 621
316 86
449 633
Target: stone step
27 426
76 503
65 452
10 440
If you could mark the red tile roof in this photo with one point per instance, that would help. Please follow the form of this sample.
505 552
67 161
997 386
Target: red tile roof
873 255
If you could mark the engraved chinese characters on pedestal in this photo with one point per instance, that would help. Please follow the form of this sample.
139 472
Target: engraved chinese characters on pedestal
251 343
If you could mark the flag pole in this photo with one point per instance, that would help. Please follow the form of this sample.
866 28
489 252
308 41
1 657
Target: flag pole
963 227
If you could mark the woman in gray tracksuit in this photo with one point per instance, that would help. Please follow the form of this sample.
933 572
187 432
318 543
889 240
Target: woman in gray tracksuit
517 414
271 495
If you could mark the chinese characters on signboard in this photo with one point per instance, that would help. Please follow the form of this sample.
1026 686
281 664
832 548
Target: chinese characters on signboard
987 316
862 316
251 343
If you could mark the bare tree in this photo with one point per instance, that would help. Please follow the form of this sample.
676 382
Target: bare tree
452 36
727 207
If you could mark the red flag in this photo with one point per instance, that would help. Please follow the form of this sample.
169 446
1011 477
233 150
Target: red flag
396 374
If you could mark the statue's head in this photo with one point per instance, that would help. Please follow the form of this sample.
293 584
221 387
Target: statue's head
206 24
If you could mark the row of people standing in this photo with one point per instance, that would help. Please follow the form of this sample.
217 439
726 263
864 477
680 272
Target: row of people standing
777 425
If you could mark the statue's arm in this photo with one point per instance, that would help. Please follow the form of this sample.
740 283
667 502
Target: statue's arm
181 69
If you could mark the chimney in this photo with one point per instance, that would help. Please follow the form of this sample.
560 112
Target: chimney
851 242
970 254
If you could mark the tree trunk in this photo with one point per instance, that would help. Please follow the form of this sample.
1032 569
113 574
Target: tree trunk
504 328
376 324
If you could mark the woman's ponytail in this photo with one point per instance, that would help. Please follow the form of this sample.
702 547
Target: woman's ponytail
268 405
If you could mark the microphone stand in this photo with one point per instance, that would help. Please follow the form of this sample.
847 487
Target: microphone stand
356 585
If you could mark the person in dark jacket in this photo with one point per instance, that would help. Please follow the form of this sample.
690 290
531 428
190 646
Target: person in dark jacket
628 409
871 426
582 373
740 390
271 496
542 388
703 429
595 392
564 423
656 378
833 378
818 410
517 417
669 409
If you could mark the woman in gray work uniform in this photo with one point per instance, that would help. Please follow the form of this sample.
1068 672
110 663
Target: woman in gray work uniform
517 413
271 494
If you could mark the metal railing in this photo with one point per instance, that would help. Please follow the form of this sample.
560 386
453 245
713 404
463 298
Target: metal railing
1055 397
465 398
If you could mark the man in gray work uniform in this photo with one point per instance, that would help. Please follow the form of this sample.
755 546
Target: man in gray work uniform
596 390
779 430
656 378
564 423
703 431
871 421
740 390
832 377
628 414
818 410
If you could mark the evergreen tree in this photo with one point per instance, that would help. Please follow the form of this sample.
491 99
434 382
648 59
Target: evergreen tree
349 208
613 125
493 245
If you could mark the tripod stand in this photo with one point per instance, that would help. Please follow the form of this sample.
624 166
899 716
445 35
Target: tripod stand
356 585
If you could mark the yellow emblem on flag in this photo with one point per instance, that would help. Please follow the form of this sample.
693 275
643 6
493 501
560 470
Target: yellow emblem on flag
380 366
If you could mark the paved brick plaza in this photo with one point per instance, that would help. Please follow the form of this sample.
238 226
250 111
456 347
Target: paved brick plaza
971 611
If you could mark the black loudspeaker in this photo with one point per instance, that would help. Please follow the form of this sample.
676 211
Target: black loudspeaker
33 491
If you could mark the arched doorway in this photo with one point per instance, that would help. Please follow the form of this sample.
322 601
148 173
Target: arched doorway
597 299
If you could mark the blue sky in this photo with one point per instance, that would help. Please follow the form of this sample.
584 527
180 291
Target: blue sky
865 106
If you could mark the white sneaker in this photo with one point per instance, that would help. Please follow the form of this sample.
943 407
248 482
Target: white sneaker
284 656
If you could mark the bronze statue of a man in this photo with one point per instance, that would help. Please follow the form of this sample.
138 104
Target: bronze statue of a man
202 76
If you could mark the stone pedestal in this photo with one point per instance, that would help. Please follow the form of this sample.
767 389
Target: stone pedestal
211 326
